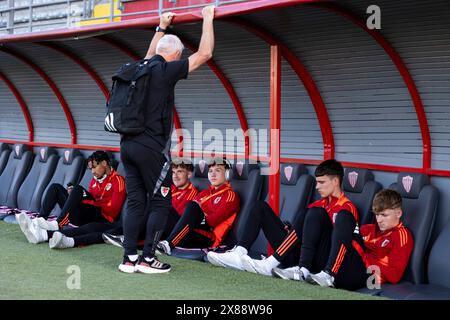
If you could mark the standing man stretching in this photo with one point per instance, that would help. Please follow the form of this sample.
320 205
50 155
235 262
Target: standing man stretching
146 156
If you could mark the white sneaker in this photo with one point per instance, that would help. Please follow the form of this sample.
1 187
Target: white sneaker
293 273
23 220
163 247
60 241
323 279
229 259
47 225
256 266
34 234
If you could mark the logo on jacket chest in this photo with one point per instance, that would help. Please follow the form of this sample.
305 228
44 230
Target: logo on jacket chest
108 186
165 191
217 200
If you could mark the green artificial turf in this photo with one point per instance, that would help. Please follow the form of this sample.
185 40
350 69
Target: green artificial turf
30 271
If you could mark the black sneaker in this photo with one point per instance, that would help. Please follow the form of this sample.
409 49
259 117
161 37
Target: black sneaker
152 266
112 239
127 265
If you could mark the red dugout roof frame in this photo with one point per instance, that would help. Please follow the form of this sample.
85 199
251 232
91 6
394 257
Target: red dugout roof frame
195 15
404 72
244 8
51 84
23 106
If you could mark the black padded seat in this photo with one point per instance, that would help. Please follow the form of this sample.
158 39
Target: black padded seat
246 181
5 150
296 190
200 175
14 174
68 169
42 170
438 287
359 186
420 202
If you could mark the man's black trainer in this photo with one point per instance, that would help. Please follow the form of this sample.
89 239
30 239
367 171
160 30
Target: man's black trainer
127 265
151 265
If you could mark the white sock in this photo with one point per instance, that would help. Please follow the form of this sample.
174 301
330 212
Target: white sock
305 272
133 257
272 262
241 250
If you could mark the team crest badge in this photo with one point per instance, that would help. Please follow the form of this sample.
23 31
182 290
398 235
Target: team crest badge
352 178
42 153
165 191
201 165
17 150
108 186
66 155
240 168
217 200
407 183
384 243
288 172
95 184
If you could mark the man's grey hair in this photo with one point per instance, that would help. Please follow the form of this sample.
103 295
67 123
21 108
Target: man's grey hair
169 44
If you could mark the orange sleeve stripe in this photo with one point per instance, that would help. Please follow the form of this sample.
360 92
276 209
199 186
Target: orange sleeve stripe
119 182
404 238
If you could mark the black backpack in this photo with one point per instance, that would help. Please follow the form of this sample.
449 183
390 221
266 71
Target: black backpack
128 98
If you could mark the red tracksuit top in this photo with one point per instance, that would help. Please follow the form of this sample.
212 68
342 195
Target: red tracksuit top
181 197
336 205
390 250
220 207
108 195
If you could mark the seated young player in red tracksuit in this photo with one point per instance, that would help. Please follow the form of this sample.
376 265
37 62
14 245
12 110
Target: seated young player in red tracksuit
384 246
208 218
92 210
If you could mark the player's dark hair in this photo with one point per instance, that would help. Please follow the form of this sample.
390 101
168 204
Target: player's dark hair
219 161
330 168
386 199
183 163
99 156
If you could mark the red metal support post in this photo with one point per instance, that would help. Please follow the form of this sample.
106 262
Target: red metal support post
404 72
75 58
305 77
53 87
23 106
275 128
231 92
